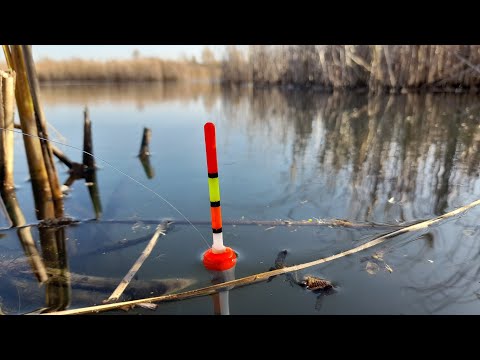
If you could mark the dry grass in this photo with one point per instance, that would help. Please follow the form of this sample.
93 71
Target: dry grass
134 70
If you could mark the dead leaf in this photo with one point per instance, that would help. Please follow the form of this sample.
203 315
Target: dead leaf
126 307
468 232
148 306
372 268
378 255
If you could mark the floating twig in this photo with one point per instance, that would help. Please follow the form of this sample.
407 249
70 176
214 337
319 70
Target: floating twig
131 273
316 222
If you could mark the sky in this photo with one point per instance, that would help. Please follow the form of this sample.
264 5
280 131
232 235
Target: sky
104 52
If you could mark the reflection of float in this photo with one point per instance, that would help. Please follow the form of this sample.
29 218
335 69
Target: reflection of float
220 299
219 260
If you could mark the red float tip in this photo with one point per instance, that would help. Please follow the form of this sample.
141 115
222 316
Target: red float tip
219 261
211 147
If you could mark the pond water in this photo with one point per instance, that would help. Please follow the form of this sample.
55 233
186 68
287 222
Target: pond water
282 155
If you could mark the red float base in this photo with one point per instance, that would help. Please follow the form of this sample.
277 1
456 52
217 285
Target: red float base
219 262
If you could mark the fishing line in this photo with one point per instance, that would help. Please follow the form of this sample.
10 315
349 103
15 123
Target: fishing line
118 170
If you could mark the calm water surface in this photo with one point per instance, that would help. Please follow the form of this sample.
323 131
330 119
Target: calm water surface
289 155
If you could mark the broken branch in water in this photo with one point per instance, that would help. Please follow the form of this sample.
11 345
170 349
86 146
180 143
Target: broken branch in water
161 229
144 154
144 148
316 222
265 275
309 222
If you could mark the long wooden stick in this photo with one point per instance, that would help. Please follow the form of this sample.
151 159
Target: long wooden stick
38 174
7 87
265 275
131 273
41 122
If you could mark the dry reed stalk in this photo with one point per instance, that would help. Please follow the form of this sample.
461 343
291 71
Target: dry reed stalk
40 166
393 81
7 99
161 229
58 286
265 275
58 153
36 162
42 130
7 190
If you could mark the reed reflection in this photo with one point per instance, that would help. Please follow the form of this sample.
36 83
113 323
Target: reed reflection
389 159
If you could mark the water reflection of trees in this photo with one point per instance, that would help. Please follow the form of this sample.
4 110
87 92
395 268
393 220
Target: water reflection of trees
140 94
420 150
439 268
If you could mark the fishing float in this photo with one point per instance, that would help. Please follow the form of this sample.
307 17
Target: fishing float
219 257
220 260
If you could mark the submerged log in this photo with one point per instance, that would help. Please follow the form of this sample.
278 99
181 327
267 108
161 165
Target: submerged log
18 272
91 290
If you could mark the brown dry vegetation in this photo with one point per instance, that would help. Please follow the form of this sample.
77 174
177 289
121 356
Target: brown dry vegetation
377 67
394 68
134 70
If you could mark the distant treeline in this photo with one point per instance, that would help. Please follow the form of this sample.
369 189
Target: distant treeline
396 68
132 70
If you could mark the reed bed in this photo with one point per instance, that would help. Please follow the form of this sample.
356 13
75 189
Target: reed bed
394 68
134 70
378 68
